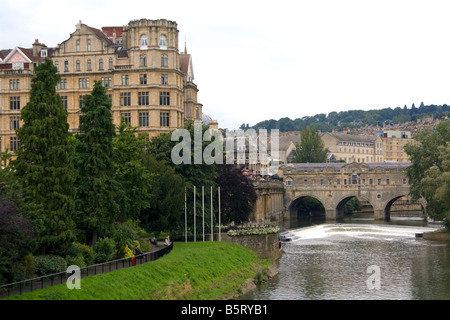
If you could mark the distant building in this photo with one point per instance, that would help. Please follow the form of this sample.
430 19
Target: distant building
394 142
353 148
149 81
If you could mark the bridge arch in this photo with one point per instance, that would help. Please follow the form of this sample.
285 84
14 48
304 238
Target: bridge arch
341 202
293 206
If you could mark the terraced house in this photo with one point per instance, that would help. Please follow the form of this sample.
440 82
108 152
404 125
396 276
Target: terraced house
149 81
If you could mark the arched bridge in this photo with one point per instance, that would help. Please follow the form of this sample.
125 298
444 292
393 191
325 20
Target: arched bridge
333 184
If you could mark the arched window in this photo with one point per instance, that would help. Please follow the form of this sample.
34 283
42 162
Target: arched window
164 60
144 42
354 178
162 42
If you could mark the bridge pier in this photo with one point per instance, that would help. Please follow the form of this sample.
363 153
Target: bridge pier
332 214
380 214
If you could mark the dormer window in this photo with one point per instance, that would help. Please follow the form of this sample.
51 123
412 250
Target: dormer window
144 42
43 53
162 42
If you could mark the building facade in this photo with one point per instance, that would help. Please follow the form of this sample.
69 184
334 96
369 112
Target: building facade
354 148
394 142
149 82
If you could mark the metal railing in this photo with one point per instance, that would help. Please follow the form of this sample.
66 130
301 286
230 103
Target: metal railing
29 285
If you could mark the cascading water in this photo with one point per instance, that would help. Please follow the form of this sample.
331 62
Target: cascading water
335 261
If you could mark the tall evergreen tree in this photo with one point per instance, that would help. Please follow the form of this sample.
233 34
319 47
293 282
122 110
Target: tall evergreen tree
311 150
42 162
97 190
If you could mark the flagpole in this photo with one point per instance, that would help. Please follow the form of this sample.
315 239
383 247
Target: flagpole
203 210
195 227
212 228
185 215
220 236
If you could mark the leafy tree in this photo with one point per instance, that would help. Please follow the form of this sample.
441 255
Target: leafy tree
43 164
311 150
238 196
98 193
428 172
134 178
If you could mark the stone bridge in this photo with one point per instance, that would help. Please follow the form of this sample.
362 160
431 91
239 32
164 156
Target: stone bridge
333 184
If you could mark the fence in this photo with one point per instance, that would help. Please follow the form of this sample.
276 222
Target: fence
29 285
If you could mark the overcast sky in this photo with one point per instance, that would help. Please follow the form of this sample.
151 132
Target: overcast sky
258 60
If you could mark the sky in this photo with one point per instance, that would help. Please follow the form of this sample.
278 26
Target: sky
261 60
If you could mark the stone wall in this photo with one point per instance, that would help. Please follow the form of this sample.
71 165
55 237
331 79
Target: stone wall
265 245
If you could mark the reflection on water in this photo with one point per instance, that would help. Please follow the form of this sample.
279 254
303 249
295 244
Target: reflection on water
330 261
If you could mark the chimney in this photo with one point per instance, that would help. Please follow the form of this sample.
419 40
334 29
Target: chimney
37 47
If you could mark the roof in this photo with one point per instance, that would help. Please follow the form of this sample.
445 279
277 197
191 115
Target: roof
353 137
338 165
99 33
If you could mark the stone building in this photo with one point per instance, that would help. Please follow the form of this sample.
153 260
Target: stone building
354 148
149 81
393 145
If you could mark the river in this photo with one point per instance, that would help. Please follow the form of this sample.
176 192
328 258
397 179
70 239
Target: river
360 259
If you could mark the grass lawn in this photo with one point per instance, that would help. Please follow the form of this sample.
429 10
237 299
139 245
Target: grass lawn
201 270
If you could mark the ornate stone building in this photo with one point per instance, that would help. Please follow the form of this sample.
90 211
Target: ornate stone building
354 148
149 81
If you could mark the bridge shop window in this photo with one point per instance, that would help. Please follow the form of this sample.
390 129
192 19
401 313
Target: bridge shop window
305 182
355 177
288 181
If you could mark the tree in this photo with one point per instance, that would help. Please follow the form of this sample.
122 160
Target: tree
238 195
43 164
134 178
311 149
98 192
428 172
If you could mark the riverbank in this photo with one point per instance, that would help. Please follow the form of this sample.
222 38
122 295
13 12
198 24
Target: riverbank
192 271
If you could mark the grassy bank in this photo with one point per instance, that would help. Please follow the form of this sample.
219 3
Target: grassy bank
202 270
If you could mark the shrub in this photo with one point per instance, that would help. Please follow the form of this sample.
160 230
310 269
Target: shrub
77 249
77 261
104 250
47 264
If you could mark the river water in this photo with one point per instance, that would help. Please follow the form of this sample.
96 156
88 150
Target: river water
360 259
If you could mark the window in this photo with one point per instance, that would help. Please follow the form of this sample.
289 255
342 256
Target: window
14 143
144 42
354 178
197 113
143 98
164 60
89 65
14 103
83 83
14 122
57 66
81 102
100 64
14 84
305 182
387 181
370 181
106 82
78 65
404 181
110 64
288 182
43 53
379 181
126 116
78 46
143 78
125 80
164 79
88 44
66 66
62 84
143 60
143 119
164 119
125 98
162 42
64 101
164 98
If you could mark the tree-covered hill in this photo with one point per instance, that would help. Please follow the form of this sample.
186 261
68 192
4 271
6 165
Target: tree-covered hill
353 118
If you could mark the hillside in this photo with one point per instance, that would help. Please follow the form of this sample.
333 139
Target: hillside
354 118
